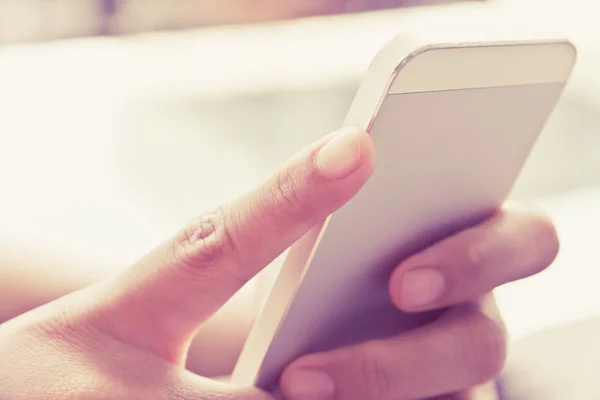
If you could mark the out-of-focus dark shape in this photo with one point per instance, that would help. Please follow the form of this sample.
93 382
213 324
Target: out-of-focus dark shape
35 20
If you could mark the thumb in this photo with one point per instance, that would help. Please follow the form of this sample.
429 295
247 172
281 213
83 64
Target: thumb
160 301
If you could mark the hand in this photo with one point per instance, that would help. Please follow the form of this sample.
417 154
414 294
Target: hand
127 337
463 348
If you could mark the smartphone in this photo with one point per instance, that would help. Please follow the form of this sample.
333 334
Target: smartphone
453 122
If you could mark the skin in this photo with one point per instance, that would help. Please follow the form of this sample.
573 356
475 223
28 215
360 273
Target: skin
128 337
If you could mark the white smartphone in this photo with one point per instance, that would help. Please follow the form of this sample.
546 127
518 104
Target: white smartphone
453 122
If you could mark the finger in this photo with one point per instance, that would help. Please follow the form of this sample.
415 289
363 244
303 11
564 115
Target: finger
486 391
464 348
161 300
512 244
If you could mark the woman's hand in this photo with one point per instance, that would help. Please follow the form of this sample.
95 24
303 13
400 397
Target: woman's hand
127 338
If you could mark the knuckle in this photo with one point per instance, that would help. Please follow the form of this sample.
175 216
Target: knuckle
373 374
287 198
489 347
479 252
206 240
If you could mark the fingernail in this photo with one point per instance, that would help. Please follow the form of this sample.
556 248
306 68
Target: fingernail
341 156
309 384
421 287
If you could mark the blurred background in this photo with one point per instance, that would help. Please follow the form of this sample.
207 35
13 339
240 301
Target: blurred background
26 20
122 119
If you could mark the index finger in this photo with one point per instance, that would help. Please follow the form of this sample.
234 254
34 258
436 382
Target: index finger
161 300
